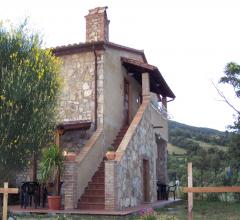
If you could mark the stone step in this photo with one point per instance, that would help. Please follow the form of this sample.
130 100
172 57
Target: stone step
99 174
121 133
94 196
87 205
117 142
92 199
101 169
98 179
91 192
118 139
95 186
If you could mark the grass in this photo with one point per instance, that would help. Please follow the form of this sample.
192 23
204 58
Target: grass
208 146
178 150
203 210
174 149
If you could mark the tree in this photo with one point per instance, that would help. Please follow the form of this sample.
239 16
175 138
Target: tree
29 87
232 77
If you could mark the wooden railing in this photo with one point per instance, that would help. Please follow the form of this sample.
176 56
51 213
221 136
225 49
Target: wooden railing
210 189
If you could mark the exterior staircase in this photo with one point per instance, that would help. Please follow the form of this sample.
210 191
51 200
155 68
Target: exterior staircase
119 137
94 194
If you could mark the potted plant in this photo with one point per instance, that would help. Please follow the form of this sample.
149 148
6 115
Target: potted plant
110 153
51 167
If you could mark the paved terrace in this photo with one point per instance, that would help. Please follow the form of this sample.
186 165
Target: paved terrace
17 210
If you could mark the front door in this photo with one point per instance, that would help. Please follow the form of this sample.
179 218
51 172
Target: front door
126 102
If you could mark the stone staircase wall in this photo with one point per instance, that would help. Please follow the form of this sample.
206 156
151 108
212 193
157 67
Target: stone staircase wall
123 176
79 171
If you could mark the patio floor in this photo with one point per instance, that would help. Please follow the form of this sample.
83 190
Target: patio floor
17 210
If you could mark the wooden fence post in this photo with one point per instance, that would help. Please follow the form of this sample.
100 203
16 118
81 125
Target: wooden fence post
5 192
190 194
209 189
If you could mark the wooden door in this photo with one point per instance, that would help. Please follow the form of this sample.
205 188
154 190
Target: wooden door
126 102
145 180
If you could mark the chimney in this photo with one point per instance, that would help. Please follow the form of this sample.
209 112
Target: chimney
97 25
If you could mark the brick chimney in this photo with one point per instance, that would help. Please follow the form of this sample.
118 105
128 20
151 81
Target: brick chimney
97 25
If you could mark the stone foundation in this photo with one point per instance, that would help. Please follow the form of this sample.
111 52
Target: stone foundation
73 141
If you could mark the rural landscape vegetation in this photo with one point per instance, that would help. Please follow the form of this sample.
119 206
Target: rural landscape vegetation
29 87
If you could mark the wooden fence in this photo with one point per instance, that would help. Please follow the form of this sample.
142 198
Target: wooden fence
212 189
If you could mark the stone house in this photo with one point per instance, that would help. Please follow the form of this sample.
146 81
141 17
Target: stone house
111 97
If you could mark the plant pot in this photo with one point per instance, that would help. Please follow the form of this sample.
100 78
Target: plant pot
54 202
110 155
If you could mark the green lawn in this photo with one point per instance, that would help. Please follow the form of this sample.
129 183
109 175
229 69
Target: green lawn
203 210
174 149
178 150
208 146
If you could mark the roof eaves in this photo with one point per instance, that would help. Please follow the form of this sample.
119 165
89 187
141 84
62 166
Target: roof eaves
154 74
100 45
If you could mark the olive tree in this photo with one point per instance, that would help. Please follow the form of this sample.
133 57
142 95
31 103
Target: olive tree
29 88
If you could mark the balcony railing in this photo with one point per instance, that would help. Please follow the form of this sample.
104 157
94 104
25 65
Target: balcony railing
160 108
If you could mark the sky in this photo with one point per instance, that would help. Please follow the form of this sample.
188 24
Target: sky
190 41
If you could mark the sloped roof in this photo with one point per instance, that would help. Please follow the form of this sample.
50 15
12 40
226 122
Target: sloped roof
157 82
99 45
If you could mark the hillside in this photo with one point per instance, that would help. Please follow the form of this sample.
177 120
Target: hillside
183 137
214 160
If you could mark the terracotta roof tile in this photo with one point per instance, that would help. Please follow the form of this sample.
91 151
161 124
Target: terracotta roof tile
157 82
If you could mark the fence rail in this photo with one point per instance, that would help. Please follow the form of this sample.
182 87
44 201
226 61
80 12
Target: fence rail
212 189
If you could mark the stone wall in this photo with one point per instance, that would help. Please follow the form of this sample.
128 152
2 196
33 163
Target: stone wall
78 92
127 183
73 141
77 98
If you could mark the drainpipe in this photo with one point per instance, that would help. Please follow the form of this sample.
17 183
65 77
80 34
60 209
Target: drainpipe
95 83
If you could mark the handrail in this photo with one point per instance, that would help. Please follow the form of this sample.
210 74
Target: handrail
161 109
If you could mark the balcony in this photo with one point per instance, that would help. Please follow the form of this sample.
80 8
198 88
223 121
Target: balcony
159 118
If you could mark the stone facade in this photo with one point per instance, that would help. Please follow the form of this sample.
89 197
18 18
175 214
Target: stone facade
130 168
125 188
77 100
73 141
93 78
93 90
